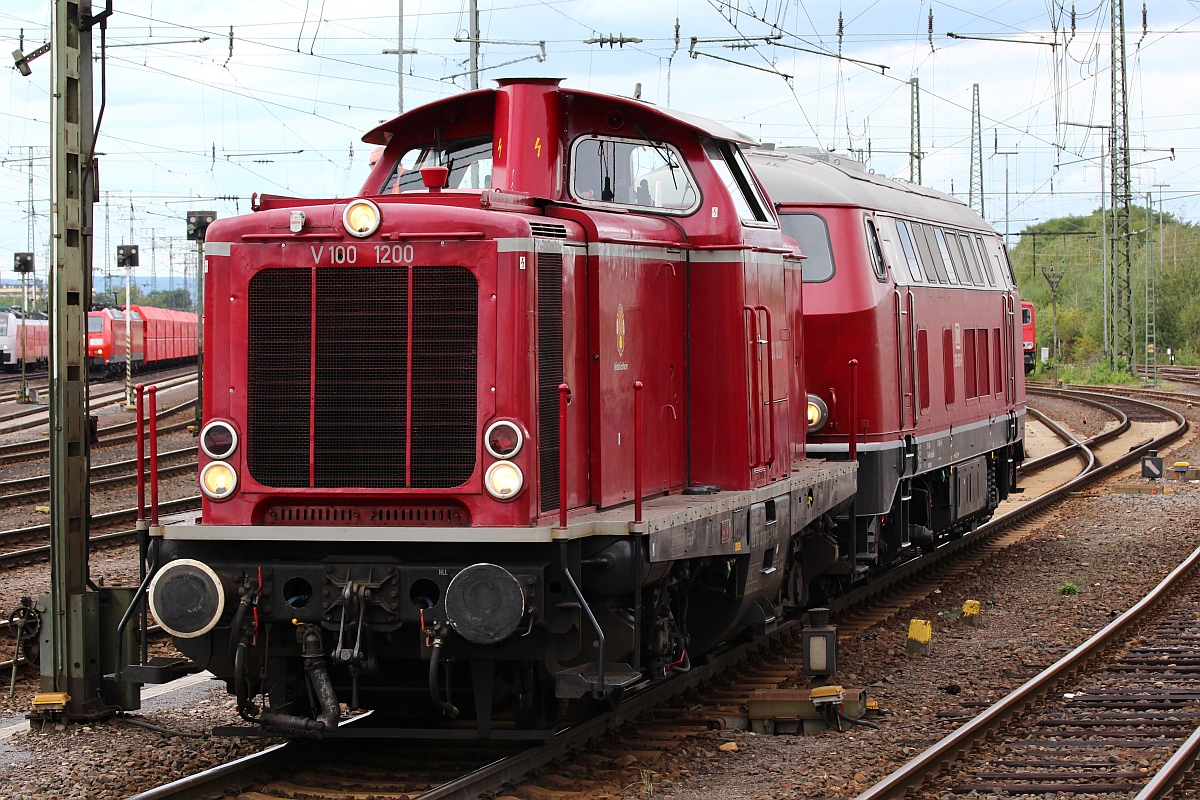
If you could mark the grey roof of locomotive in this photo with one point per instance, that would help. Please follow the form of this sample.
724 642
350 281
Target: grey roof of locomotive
805 175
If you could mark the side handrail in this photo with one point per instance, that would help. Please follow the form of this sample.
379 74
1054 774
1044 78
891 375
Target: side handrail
563 391
756 448
153 394
637 451
853 446
769 400
900 376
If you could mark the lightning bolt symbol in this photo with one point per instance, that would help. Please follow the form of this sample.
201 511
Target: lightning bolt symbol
537 145
499 147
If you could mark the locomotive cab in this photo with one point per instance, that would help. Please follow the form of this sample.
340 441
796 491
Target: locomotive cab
519 417
108 348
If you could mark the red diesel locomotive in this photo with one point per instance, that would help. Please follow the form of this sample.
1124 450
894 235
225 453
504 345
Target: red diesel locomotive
1029 334
159 336
917 289
522 422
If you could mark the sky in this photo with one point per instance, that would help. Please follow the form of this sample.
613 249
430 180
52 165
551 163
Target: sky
209 103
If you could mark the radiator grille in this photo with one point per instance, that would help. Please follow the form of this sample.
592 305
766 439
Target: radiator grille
550 372
361 387
359 380
280 339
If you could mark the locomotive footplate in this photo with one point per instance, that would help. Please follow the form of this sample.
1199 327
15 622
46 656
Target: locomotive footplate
697 525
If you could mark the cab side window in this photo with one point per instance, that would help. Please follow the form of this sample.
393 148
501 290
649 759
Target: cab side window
731 168
632 173
812 234
878 265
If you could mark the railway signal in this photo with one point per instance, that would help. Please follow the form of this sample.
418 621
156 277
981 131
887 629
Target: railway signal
197 229
127 259
23 266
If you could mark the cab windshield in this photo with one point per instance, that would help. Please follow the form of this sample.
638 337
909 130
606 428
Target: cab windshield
469 162
95 324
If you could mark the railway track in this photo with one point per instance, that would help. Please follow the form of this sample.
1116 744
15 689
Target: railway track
1088 723
107 529
20 491
33 416
120 433
296 770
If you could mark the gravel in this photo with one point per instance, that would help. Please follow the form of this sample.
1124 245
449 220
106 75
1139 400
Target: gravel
1112 547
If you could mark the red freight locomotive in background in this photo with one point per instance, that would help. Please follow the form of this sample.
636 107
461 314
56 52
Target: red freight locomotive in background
522 422
1029 334
159 336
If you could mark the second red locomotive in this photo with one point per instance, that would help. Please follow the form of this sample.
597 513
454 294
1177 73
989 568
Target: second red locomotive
917 289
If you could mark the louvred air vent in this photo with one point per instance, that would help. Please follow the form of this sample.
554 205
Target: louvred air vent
422 515
548 230
550 371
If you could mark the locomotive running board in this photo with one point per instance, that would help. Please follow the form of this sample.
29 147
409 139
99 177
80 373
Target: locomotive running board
575 682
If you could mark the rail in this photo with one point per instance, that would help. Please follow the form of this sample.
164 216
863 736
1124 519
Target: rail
945 752
937 757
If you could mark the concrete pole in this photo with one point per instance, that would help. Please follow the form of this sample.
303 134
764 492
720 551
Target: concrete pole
70 687
474 44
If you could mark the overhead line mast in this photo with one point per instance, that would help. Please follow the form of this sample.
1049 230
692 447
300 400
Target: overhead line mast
975 193
914 137
1120 287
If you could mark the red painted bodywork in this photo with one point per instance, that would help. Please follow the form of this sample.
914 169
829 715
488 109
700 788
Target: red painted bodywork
856 316
653 297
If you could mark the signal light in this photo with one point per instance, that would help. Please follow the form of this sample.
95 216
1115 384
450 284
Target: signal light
197 224
127 256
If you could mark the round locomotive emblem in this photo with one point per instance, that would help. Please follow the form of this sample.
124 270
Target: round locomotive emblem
620 330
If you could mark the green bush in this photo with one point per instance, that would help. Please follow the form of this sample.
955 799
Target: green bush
1068 588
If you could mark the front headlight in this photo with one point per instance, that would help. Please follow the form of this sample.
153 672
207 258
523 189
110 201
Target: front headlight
818 413
361 218
503 480
218 480
218 440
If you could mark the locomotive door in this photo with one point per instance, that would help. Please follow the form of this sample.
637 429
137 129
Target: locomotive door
636 299
1009 361
906 357
768 356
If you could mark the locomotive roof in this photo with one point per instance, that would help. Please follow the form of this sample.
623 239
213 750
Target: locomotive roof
484 99
793 177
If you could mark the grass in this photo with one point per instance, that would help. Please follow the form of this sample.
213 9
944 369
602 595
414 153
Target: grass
1068 588
1098 374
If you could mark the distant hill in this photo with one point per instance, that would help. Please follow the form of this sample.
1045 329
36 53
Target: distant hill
1073 245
